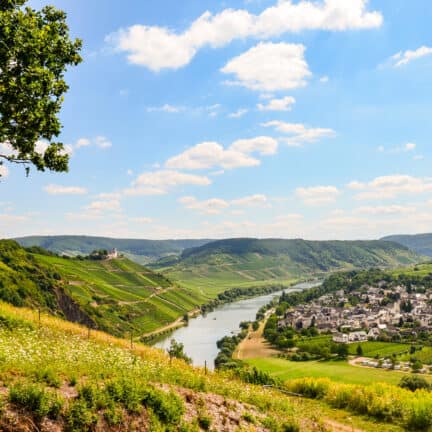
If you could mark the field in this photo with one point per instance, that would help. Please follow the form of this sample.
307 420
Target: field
338 371
424 355
121 295
382 349
52 369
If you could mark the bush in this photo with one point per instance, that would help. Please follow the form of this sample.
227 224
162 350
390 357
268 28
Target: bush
414 382
204 421
168 407
79 417
36 400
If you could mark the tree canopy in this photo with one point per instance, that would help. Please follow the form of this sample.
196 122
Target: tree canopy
35 51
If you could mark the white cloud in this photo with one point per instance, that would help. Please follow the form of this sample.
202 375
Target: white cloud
317 195
4 171
166 108
284 104
387 187
408 147
159 47
82 142
239 113
211 154
324 79
404 57
162 181
104 206
270 67
384 210
300 134
102 142
257 200
263 145
210 206
217 205
53 189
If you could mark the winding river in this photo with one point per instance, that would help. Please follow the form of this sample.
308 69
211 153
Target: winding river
200 336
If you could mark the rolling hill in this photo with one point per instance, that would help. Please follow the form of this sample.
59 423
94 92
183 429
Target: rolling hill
252 262
420 243
116 295
142 251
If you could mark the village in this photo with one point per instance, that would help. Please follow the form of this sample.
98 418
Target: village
380 313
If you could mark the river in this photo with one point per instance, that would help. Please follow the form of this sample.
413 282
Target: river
200 336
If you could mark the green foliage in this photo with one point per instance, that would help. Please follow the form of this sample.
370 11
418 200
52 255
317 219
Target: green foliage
414 382
204 421
176 350
35 52
36 400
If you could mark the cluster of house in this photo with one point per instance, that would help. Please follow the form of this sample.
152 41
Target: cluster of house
379 309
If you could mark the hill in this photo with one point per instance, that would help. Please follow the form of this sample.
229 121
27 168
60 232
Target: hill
142 251
116 295
420 243
56 377
249 262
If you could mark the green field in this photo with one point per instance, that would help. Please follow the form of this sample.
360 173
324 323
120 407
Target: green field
121 295
382 349
339 371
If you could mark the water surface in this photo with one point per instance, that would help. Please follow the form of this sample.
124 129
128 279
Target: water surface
200 336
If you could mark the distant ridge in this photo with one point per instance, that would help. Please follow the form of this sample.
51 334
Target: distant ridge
249 261
420 243
142 251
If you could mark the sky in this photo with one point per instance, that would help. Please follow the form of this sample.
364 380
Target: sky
258 118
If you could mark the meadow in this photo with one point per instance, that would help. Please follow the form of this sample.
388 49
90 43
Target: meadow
381 349
336 370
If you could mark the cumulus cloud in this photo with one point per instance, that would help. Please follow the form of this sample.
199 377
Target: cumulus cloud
53 189
270 67
160 47
217 205
211 154
239 113
284 104
300 133
104 206
405 148
162 181
387 187
404 57
317 195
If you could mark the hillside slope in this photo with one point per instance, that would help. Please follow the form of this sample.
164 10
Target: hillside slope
247 262
117 296
56 378
420 243
142 251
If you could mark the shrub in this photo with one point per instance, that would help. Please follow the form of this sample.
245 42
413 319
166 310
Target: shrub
204 421
414 382
79 417
168 407
36 400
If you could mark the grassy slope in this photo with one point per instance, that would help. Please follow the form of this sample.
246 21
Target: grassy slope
121 295
60 359
249 262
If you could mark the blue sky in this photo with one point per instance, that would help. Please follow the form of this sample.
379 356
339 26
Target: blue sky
257 118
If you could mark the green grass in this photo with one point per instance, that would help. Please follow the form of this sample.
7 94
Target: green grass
339 371
382 349
424 355
120 295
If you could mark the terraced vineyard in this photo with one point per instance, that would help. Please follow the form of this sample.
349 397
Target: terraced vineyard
123 296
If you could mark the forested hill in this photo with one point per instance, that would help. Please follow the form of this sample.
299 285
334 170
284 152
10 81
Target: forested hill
420 243
142 251
117 295
250 261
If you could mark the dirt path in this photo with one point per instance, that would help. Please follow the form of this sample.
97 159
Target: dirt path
339 427
254 345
